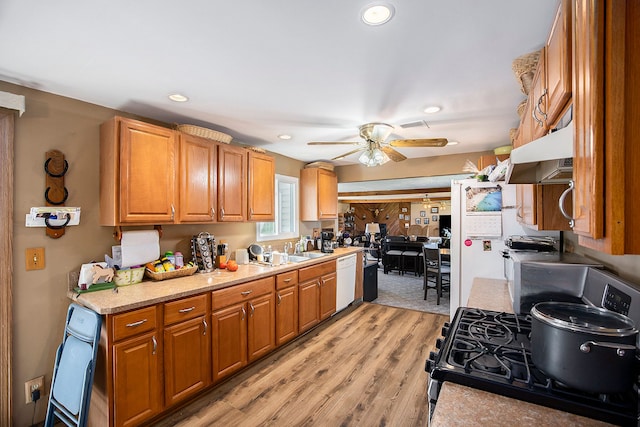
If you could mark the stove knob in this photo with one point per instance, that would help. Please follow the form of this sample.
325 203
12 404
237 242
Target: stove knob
439 343
445 330
433 355
428 366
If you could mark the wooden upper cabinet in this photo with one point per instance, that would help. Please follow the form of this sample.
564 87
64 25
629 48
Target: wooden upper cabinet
607 123
537 100
137 173
232 183
558 63
197 179
318 194
261 188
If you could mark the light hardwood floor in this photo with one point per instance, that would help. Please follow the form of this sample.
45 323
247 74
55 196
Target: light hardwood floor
364 367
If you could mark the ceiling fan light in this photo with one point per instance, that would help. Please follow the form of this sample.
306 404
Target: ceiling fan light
432 109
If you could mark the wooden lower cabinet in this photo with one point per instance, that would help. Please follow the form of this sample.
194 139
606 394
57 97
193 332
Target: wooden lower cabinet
187 341
243 325
286 307
316 294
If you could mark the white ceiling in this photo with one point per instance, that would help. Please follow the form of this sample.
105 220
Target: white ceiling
256 69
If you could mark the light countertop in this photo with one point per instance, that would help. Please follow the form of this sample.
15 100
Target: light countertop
154 292
459 405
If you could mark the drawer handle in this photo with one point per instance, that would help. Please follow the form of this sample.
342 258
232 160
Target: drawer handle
244 313
245 293
155 344
253 309
186 310
134 324
287 280
204 323
279 299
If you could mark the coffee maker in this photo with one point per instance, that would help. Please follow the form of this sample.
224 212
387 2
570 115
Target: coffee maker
326 243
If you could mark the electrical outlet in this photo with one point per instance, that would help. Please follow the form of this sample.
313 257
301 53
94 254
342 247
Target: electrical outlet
32 385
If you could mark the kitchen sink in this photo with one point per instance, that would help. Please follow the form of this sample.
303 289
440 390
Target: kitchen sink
297 258
315 254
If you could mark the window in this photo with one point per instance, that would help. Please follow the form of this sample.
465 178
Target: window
286 224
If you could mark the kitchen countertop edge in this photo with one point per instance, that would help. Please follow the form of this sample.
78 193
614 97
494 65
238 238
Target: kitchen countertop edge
149 293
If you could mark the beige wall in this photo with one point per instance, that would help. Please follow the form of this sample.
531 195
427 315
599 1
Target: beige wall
39 297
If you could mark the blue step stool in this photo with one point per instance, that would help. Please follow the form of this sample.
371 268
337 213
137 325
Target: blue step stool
74 368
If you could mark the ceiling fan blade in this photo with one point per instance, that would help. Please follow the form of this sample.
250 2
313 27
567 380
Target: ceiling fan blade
347 154
333 143
394 155
427 142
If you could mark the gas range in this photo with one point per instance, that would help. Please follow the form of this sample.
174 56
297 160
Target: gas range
491 351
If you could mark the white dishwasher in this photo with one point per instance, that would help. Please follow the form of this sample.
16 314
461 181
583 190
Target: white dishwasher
346 288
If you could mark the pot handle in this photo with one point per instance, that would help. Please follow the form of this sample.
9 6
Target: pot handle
619 348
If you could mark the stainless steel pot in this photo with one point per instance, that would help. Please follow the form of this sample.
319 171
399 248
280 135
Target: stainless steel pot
584 347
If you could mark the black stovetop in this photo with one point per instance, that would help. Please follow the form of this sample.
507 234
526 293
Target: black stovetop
491 351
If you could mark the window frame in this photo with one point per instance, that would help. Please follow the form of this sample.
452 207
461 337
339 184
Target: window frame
285 179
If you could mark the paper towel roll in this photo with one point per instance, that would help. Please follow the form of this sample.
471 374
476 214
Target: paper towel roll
139 247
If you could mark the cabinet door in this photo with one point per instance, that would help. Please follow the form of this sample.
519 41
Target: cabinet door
229 340
261 188
588 101
187 359
232 183
198 167
538 100
136 379
147 173
328 287
308 304
327 195
558 62
286 314
526 204
261 326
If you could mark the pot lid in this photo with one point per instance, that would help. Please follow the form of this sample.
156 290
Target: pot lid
584 318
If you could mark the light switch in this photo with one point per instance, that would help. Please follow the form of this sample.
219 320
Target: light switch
34 258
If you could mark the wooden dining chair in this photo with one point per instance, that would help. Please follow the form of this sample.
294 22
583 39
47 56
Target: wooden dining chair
433 267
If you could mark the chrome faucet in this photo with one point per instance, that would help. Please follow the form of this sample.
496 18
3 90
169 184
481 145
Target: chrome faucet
287 247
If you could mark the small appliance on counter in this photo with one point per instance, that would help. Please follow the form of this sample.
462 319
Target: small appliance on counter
203 251
326 240
496 352
532 243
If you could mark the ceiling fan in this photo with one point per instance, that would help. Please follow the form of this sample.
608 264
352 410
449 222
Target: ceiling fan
376 150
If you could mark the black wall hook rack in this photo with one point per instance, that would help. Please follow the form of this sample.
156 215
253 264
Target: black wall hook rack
56 194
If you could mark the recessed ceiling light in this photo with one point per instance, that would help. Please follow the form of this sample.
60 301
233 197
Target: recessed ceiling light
178 97
377 14
284 136
453 143
432 109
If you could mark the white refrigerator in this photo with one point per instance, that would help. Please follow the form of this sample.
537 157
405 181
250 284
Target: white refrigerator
483 215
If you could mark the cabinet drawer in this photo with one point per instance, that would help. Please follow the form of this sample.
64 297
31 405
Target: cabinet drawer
284 280
307 273
134 322
243 292
185 309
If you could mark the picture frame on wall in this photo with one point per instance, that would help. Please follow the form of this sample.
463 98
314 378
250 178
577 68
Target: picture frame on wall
425 221
434 210
404 209
423 214
434 218
418 221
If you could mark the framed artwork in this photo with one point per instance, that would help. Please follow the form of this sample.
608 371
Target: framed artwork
425 221
434 218
404 209
406 225
434 210
423 213
418 221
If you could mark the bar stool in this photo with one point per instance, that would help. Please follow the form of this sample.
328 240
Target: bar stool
391 258
433 266
414 257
